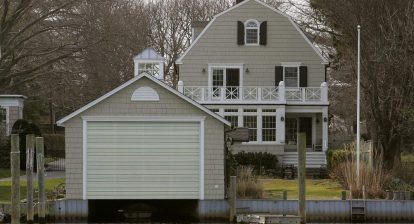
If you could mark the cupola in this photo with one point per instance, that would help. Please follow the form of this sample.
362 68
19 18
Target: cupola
149 62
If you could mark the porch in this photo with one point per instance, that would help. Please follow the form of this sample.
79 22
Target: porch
256 95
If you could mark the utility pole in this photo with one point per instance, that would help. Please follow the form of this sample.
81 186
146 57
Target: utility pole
358 141
15 173
30 144
302 176
41 179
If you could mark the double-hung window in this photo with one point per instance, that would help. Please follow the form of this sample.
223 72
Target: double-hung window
269 128
291 76
251 123
252 32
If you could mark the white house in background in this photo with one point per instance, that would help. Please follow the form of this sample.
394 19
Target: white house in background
11 110
252 65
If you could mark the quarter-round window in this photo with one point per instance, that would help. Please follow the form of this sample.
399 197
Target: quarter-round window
252 32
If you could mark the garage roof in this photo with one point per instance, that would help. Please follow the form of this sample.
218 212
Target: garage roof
133 80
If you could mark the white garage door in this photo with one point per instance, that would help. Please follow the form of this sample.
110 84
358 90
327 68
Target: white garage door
143 160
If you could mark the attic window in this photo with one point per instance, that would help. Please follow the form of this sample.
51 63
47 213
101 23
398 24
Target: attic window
252 32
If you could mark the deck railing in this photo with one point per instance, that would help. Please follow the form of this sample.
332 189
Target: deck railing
232 93
252 94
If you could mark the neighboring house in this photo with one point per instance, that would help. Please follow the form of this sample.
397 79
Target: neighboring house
144 140
11 110
252 65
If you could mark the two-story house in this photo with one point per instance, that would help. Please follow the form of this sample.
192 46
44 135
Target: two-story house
255 67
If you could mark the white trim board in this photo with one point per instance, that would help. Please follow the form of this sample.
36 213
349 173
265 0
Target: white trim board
86 119
317 51
133 80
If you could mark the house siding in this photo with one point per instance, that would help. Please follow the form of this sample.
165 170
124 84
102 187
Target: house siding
219 45
120 104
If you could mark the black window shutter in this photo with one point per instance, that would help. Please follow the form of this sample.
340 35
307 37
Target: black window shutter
240 33
303 76
278 75
263 33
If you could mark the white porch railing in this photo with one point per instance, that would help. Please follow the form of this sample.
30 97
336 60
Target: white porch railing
202 93
304 94
250 94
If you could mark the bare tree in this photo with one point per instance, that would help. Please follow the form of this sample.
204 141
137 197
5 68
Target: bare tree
25 28
387 56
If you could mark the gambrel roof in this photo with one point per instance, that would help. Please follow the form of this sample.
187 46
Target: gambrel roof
317 51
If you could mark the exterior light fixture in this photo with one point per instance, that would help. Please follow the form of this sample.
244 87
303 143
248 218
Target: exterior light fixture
325 119
282 118
247 70
203 70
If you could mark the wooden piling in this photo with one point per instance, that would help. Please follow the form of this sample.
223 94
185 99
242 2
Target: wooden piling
285 196
30 141
15 174
41 179
302 176
233 198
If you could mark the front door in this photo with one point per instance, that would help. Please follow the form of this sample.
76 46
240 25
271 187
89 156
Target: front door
305 126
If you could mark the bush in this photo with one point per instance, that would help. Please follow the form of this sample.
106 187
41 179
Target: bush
247 184
374 177
23 128
337 156
262 163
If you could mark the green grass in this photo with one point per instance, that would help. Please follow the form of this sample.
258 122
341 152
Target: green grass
315 189
5 188
4 172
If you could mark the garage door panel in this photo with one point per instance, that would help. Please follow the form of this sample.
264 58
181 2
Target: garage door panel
143 160
147 171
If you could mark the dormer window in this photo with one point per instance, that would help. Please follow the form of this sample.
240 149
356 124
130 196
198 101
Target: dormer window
252 32
149 62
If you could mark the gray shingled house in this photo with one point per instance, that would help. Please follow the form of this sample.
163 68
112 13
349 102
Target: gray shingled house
250 66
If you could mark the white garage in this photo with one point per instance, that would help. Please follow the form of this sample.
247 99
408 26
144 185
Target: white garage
144 159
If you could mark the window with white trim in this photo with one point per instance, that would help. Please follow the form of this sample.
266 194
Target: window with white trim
251 32
291 76
269 128
251 123
150 68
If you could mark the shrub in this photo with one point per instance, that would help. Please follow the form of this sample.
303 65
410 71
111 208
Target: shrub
337 156
247 184
374 177
261 163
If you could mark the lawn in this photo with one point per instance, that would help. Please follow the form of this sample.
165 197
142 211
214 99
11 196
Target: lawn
4 173
315 189
5 188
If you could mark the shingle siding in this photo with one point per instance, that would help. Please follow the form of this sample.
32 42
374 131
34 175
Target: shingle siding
219 45
120 104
